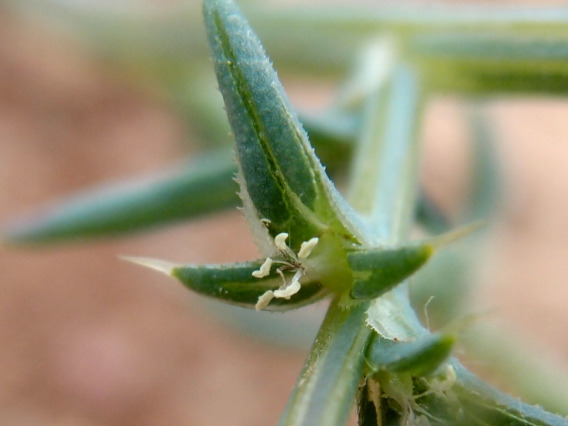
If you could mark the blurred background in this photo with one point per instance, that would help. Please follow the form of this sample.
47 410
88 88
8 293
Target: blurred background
86 339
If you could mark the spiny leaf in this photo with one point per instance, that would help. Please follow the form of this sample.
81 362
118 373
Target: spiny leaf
325 388
377 270
282 181
235 284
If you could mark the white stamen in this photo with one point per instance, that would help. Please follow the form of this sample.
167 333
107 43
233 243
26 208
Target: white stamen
288 291
279 270
291 289
264 300
280 242
264 269
307 247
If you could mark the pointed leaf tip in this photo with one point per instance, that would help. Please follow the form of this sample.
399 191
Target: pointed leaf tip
378 270
456 234
162 266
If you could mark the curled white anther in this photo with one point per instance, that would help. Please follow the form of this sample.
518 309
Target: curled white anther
290 289
264 300
287 292
280 242
307 247
264 269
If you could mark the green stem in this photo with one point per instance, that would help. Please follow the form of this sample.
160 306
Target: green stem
333 371
385 168
396 178
325 389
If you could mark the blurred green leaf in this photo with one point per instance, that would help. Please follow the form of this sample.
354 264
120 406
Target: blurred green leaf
429 215
448 299
203 186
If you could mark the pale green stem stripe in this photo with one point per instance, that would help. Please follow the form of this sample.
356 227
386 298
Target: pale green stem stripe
397 169
374 118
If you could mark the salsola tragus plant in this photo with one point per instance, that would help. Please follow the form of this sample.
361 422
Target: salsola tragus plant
371 346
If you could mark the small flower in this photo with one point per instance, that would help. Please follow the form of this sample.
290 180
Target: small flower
292 261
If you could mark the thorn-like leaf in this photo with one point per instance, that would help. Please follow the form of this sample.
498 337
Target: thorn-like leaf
235 283
377 270
282 181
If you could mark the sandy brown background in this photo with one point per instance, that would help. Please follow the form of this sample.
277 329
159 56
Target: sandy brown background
88 340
